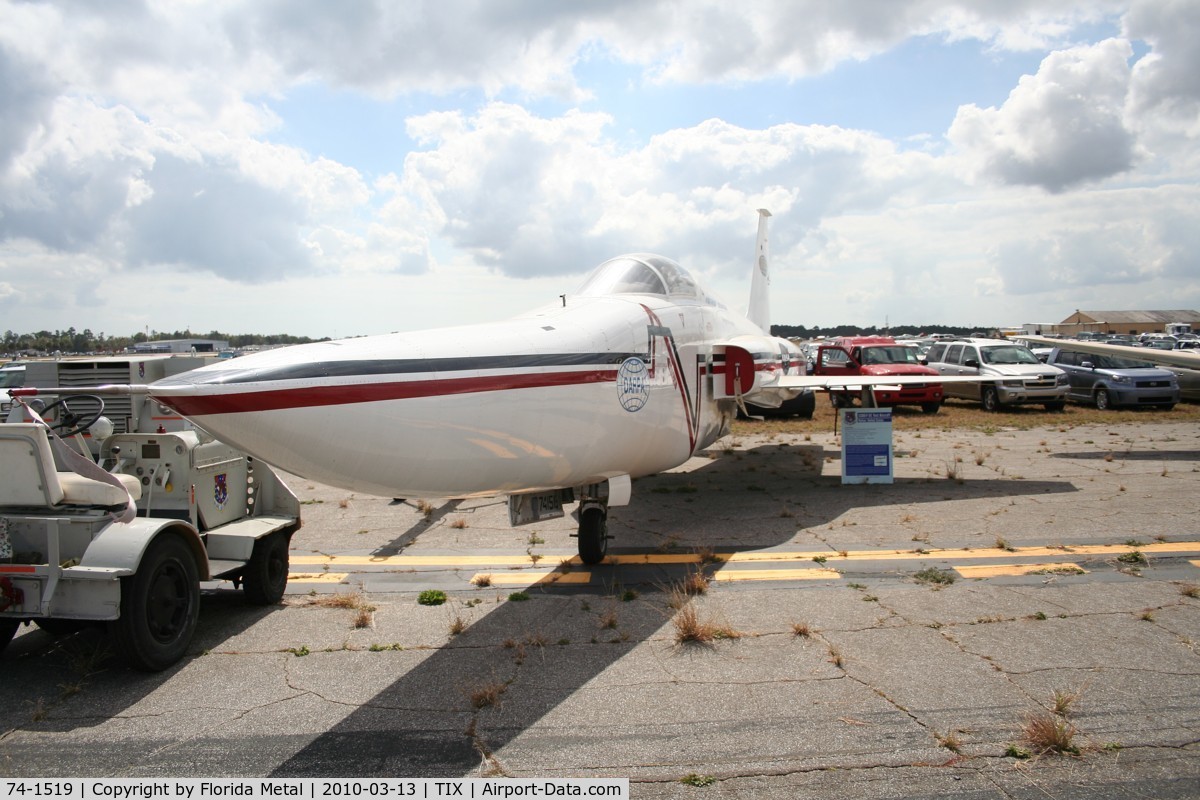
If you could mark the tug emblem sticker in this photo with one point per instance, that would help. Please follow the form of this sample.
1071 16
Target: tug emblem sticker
220 490
631 384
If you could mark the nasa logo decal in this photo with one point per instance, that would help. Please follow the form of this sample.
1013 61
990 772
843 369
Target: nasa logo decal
631 384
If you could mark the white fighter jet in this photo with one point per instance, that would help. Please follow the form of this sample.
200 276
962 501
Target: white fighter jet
632 374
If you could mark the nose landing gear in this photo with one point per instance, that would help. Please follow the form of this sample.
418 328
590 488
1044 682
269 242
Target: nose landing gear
593 532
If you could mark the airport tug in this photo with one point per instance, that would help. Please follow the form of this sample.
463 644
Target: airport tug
119 521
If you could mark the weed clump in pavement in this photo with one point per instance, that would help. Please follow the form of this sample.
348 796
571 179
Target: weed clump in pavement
935 576
1049 733
431 597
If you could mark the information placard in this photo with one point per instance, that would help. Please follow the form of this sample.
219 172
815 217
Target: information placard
867 445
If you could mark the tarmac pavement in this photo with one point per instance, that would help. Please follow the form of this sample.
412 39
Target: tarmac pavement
866 641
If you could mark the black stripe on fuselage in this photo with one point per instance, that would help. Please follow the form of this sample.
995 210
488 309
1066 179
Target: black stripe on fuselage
398 366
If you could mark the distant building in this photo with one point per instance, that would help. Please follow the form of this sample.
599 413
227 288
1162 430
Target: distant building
180 346
1129 322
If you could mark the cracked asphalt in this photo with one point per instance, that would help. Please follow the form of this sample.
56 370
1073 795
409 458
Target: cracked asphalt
863 660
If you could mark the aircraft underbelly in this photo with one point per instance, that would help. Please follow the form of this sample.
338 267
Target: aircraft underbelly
472 444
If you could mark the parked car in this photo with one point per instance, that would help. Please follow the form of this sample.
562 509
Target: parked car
1110 381
1189 383
1023 379
879 356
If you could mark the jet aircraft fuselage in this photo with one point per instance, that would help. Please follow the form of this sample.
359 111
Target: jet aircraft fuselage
625 378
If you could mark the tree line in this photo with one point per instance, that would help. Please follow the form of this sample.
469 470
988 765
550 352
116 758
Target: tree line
805 332
85 341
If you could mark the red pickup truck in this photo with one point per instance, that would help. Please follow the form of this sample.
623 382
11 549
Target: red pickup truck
879 355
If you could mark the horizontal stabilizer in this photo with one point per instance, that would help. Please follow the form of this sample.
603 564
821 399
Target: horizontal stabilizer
1169 358
838 382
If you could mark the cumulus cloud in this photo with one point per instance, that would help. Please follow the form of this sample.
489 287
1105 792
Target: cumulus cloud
206 216
517 191
706 41
1059 128
25 97
141 135
1166 83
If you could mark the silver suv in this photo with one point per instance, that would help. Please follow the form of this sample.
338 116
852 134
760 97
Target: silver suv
1023 379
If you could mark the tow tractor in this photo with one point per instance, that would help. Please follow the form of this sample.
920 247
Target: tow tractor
120 524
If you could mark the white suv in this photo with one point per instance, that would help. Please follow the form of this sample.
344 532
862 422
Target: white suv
1023 379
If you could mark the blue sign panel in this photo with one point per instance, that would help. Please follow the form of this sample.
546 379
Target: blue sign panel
867 445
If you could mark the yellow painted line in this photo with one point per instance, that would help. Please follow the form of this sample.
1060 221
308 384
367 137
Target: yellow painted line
753 556
998 570
425 561
317 577
527 578
657 558
811 574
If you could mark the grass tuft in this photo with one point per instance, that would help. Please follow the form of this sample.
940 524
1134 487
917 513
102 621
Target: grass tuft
487 695
691 627
935 576
1049 733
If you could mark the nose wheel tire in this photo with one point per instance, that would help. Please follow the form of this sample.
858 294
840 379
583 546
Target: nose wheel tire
593 535
159 606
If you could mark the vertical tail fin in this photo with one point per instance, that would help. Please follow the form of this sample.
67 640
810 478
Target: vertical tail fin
759 311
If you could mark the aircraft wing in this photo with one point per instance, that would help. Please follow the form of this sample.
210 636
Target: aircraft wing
1168 358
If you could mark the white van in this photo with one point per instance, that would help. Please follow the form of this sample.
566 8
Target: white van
1024 378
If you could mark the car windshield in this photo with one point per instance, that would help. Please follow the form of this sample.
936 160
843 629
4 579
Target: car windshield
1007 354
11 378
895 354
1116 362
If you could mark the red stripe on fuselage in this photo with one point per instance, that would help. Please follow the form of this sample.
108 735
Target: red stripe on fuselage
345 394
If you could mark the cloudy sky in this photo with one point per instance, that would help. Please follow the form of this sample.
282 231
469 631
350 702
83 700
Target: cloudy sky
336 169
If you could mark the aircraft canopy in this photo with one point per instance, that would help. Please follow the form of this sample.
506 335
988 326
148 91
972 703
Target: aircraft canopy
641 274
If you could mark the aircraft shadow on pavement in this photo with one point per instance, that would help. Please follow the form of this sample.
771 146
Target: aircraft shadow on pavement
544 651
762 497
437 719
43 672
1133 455
405 538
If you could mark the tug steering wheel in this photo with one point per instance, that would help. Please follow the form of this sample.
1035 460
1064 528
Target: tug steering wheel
70 423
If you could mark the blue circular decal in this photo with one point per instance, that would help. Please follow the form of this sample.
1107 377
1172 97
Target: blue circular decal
631 384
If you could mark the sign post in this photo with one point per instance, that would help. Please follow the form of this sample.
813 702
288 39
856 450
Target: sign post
867 445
